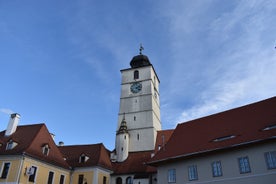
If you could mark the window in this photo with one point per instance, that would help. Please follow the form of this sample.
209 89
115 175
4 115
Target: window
45 150
11 145
216 168
50 177
244 165
192 172
224 138
32 176
81 177
138 136
171 176
104 180
270 158
83 158
136 74
5 170
119 180
61 179
129 180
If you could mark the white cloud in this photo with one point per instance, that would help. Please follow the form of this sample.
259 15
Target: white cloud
234 66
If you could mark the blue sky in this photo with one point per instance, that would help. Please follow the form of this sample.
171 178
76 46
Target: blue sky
60 61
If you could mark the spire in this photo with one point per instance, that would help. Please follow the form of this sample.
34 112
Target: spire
123 127
141 48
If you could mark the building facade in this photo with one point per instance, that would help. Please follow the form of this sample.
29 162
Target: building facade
235 146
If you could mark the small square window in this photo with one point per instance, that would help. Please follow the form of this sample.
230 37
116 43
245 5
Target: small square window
244 165
270 158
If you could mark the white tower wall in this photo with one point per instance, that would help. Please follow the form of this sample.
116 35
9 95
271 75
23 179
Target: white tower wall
122 142
142 109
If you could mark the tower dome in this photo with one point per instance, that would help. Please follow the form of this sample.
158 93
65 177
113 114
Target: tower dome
140 60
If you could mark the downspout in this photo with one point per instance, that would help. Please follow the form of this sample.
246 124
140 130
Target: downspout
20 168
71 175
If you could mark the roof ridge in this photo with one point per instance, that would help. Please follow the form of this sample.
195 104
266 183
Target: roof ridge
228 110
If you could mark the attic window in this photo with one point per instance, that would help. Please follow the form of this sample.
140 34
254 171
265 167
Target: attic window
83 158
46 150
269 127
11 144
224 138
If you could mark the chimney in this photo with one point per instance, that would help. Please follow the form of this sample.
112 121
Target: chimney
12 124
60 143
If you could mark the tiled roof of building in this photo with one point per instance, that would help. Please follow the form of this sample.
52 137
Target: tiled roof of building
134 164
97 155
29 141
240 126
162 138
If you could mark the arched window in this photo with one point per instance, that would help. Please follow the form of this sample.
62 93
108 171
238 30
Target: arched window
119 180
136 74
129 180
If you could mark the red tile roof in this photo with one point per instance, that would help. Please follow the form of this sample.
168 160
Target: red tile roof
243 125
162 138
30 139
134 164
97 153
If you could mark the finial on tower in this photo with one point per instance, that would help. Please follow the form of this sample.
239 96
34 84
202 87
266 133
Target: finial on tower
141 48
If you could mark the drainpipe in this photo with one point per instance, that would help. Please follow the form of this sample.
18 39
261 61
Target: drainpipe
20 168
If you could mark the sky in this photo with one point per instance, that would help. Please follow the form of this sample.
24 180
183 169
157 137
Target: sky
60 61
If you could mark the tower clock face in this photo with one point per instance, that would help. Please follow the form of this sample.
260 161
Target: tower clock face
136 87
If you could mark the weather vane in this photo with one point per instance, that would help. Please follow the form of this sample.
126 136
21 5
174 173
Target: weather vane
141 48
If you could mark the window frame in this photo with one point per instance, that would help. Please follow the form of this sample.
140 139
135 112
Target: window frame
51 175
244 165
129 180
62 179
45 150
172 176
80 178
5 170
270 159
136 74
192 172
217 169
32 177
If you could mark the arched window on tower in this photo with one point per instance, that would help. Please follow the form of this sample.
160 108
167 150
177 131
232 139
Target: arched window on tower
136 74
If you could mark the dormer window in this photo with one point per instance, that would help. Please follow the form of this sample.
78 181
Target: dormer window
83 158
219 139
46 150
269 127
11 144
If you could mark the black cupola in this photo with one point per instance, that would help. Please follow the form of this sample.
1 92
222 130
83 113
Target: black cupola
140 60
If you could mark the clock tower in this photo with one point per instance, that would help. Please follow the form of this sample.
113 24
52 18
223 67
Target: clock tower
139 106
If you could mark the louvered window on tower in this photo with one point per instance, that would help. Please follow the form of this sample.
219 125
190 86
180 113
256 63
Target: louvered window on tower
136 74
